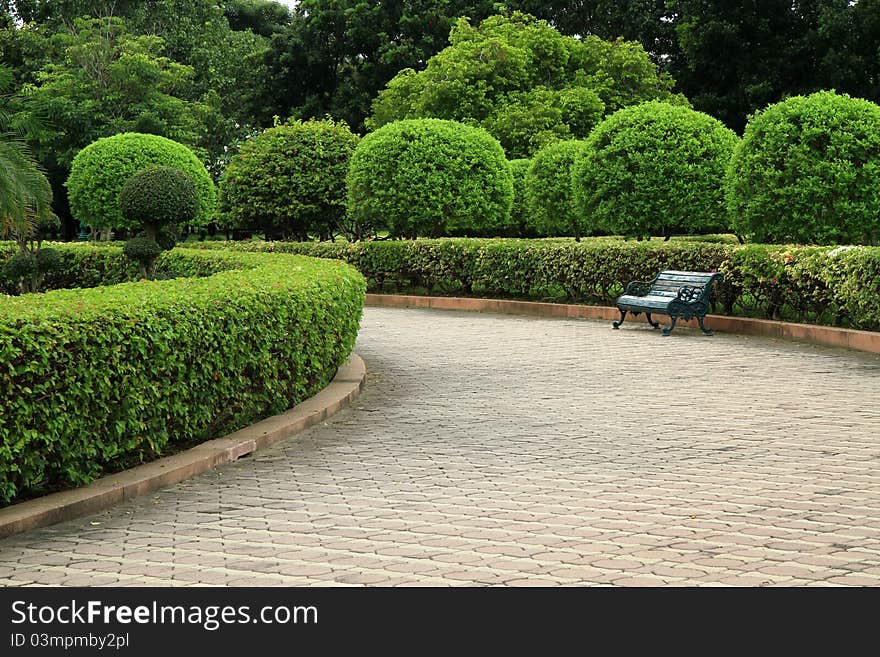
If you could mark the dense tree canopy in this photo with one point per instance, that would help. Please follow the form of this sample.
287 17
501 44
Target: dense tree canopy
334 57
733 58
524 82
210 73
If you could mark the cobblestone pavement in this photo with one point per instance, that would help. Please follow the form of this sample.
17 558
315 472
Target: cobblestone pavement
491 450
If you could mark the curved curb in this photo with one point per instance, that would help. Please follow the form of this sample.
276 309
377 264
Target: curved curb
113 489
827 336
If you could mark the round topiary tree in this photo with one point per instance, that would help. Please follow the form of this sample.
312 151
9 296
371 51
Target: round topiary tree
807 170
159 199
430 177
654 169
519 211
548 188
101 169
290 180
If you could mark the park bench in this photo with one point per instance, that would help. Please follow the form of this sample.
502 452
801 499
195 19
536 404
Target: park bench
678 294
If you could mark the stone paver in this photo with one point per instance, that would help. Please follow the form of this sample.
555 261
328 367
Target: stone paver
498 450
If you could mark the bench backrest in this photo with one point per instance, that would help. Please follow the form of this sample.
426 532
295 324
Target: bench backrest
668 283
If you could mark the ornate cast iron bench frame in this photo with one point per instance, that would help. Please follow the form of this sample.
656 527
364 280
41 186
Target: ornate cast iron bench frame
678 294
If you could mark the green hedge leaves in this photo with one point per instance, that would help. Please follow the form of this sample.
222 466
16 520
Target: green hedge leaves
805 284
97 379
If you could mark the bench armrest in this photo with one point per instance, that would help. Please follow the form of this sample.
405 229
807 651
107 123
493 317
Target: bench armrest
638 288
690 293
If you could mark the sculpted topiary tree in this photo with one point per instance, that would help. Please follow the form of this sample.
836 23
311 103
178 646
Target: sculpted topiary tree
158 199
654 169
101 169
551 209
427 177
807 171
290 180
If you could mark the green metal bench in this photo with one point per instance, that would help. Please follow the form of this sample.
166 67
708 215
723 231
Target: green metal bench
678 294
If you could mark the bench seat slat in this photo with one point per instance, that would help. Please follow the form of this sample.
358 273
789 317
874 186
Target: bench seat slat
650 301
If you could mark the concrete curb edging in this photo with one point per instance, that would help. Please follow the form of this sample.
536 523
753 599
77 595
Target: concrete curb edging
828 336
113 489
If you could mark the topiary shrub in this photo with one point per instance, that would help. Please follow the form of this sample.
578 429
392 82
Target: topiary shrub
548 188
24 271
519 211
159 196
807 170
430 177
143 250
655 169
159 199
290 180
101 169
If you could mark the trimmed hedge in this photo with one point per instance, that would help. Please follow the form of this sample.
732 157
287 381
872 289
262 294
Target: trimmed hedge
101 169
807 170
98 379
807 284
428 177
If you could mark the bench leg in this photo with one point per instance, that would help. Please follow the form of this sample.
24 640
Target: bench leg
667 331
702 327
651 321
620 321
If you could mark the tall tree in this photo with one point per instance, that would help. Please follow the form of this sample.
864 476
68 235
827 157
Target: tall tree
647 21
524 82
263 17
334 57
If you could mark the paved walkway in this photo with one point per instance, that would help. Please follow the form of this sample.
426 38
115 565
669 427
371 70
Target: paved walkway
506 450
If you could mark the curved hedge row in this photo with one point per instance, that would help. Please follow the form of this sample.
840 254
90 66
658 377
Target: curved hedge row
806 284
98 379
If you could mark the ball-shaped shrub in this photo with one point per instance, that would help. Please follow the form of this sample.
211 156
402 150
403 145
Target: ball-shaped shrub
519 211
808 170
548 186
430 177
290 179
143 250
101 169
654 169
159 196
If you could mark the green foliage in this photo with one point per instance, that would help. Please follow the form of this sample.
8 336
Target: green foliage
519 211
25 192
290 179
654 169
430 177
98 379
807 171
104 81
159 196
100 171
524 82
807 284
334 57
548 188
143 250
731 58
